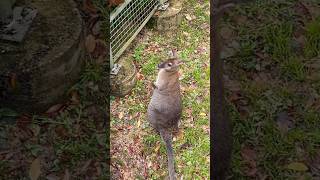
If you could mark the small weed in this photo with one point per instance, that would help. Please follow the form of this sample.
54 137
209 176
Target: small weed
311 118
91 73
150 66
138 52
277 39
4 166
246 58
293 69
312 47
268 30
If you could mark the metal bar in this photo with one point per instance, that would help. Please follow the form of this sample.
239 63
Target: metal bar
135 13
126 22
119 9
134 35
123 18
116 40
123 25
132 23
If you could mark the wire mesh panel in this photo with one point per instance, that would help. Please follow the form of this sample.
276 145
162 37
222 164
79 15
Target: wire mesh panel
126 22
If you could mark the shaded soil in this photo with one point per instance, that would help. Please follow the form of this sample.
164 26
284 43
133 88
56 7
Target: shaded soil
271 66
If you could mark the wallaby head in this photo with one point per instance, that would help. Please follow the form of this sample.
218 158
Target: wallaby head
170 65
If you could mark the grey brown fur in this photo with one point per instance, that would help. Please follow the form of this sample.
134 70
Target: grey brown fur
165 107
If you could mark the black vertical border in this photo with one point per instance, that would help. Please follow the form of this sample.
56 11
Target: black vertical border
220 127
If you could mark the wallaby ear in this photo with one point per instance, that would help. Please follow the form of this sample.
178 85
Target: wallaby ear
174 53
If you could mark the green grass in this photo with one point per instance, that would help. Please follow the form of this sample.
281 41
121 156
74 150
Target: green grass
269 30
247 58
138 53
150 66
293 69
313 38
277 39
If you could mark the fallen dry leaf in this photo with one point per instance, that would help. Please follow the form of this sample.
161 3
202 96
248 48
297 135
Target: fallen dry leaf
115 2
54 109
61 131
180 134
314 164
297 166
120 116
66 175
13 80
35 171
101 138
284 122
35 129
90 43
140 76
23 121
249 156
156 150
138 123
86 165
89 7
96 28
244 111
100 49
226 32
190 17
302 9
239 19
98 168
52 177
75 98
100 60
235 96
231 85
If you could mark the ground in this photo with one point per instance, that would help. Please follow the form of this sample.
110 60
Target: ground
272 59
136 149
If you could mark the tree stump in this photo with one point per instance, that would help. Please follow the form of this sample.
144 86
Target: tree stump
125 80
169 19
37 72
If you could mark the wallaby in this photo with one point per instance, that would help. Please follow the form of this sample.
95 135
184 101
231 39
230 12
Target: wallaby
165 107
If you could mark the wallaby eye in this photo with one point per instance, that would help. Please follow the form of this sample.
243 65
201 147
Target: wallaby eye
169 64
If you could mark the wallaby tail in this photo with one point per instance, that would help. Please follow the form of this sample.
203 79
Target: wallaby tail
167 138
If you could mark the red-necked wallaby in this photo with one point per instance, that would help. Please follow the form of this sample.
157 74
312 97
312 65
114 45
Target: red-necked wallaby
165 107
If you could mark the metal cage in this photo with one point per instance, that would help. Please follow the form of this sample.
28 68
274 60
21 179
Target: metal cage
126 22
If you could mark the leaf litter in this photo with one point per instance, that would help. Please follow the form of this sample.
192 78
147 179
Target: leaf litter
57 144
284 118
